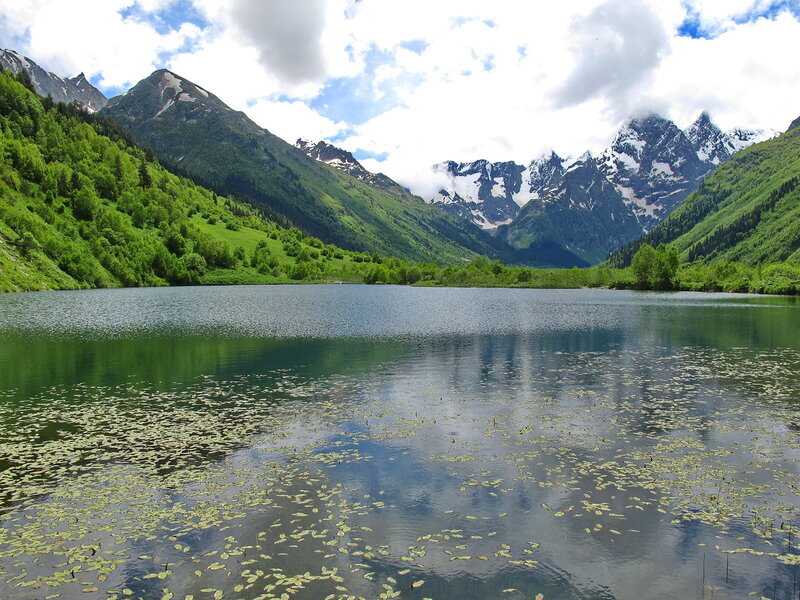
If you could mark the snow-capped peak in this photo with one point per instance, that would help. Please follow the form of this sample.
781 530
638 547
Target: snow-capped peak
739 139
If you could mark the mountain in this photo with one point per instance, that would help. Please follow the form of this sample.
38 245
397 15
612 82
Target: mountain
192 130
491 194
481 192
651 164
795 123
748 210
656 166
346 162
584 213
60 89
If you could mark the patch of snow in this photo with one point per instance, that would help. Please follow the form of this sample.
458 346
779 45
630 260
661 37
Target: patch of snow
739 139
466 186
184 97
522 197
524 194
481 220
661 168
202 91
627 193
627 161
638 205
499 188
170 81
704 153
168 103
580 161
476 166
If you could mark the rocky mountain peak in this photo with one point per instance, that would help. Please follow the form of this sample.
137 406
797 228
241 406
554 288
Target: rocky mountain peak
343 160
328 153
60 89
708 140
163 91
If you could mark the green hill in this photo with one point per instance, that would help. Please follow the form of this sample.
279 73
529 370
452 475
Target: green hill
747 211
193 131
81 209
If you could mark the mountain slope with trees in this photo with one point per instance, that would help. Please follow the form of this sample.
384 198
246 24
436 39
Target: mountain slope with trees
193 131
747 211
80 209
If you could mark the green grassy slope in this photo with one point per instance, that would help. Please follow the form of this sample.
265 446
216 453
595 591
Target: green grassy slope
747 211
225 151
79 209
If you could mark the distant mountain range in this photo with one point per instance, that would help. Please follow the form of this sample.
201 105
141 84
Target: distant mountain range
591 206
60 89
651 162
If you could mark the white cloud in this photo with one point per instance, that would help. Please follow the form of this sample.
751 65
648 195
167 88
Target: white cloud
617 46
287 34
292 120
90 36
748 76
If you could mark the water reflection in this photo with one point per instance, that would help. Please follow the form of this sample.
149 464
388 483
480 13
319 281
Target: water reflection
609 448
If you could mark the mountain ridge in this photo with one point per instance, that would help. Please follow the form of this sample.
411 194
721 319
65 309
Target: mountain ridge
189 127
708 144
60 89
651 163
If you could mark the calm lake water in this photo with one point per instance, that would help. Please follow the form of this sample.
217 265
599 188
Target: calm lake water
319 442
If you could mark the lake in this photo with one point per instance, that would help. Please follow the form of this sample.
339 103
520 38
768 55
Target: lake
321 442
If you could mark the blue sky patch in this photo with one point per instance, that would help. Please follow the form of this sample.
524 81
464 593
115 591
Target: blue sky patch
771 11
364 154
342 135
353 100
109 92
694 28
459 21
417 46
170 18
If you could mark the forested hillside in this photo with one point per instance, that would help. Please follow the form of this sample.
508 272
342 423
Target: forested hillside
82 209
747 211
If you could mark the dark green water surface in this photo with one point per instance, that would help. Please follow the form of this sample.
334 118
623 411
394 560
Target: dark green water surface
321 442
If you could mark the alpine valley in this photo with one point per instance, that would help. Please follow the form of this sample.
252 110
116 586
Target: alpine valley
194 133
554 212
238 367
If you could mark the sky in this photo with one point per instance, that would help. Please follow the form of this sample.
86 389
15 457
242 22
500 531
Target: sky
405 84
